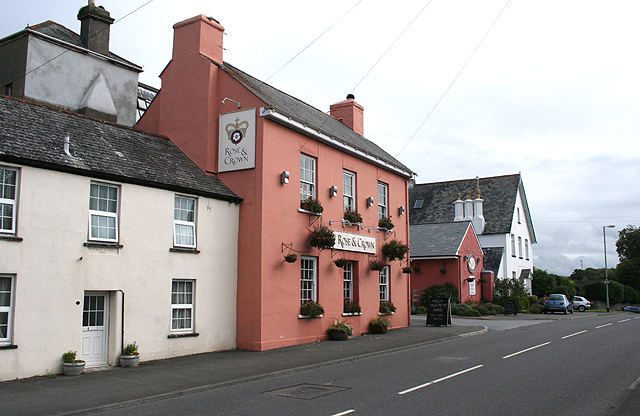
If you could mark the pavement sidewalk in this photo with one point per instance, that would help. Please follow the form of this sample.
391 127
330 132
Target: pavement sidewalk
156 380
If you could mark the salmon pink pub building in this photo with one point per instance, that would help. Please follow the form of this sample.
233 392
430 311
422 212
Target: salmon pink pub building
288 161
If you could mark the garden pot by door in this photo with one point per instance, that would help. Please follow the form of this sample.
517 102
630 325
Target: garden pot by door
95 329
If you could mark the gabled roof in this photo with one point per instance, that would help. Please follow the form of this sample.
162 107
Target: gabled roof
437 240
492 259
498 192
33 135
51 29
312 117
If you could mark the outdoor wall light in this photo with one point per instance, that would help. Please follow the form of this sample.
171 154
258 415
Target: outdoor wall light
284 177
370 201
226 98
401 210
333 191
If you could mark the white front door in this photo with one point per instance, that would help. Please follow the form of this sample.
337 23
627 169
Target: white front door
95 329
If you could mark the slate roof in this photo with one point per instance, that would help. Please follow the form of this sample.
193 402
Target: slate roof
33 134
310 116
498 192
492 258
437 240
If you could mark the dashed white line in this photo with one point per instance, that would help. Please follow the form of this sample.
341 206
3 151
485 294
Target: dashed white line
602 326
440 379
346 412
528 349
634 384
573 335
624 320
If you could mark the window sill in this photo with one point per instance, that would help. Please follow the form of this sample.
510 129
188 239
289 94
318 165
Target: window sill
317 214
8 347
184 250
309 317
102 245
185 335
380 313
351 314
11 238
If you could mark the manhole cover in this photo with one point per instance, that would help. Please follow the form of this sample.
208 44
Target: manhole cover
307 391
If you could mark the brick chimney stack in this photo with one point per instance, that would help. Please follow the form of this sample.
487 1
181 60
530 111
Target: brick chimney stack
350 113
95 24
198 35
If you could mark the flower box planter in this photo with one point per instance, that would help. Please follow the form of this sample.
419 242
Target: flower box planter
378 329
73 369
129 360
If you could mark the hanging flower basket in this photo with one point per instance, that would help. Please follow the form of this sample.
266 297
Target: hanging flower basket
407 270
443 270
311 309
353 217
416 269
311 205
482 280
385 223
376 265
340 263
387 308
470 279
395 250
291 258
322 237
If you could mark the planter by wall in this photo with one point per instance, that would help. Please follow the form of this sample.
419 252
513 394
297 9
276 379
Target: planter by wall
338 335
378 329
129 360
73 369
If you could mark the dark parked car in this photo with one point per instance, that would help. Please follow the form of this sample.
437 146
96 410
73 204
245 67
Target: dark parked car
581 303
557 302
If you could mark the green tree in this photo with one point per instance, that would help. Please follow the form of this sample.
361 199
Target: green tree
628 244
628 273
510 289
543 283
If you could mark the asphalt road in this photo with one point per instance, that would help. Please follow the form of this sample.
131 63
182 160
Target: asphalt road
582 365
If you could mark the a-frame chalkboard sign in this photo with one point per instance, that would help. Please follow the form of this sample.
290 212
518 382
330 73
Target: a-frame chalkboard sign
439 312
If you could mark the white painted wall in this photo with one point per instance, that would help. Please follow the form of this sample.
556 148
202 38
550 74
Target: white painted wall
50 83
53 269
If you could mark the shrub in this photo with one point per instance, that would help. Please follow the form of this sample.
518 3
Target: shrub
69 357
469 312
495 309
395 250
312 309
511 289
459 308
420 310
446 290
535 308
482 309
630 295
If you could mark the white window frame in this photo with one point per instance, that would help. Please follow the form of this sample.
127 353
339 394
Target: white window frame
8 309
349 191
383 200
347 281
308 279
178 304
526 249
519 246
97 213
307 177
513 245
6 200
178 223
384 284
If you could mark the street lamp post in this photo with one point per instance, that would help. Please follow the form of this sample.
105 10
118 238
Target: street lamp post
606 273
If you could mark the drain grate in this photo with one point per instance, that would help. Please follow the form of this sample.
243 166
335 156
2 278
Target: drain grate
307 391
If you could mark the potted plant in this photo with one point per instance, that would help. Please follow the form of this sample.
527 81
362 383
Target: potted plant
385 222
291 258
130 356
340 330
407 270
71 366
352 216
377 265
379 325
322 237
387 308
340 263
311 309
395 249
482 280
311 205
351 307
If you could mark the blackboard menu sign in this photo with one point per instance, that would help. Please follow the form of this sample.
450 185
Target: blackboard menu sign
439 312
510 307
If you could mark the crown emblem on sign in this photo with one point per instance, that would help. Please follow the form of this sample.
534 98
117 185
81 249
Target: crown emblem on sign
237 130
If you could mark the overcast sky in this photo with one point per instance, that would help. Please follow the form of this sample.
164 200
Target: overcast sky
552 92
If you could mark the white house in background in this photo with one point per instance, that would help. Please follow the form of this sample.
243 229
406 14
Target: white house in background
107 235
499 212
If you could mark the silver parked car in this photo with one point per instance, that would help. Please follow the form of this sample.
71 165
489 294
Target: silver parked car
581 304
557 302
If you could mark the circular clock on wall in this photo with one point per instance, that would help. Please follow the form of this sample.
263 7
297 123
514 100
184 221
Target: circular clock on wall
471 263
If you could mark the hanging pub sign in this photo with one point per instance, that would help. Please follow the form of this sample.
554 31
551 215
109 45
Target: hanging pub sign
237 141
439 311
354 242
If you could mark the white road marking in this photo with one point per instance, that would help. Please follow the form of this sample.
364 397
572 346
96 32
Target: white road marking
572 335
602 326
528 349
634 384
624 320
346 412
439 380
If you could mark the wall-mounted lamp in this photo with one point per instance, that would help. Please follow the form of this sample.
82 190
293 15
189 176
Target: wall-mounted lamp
370 201
284 177
225 99
333 191
401 210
